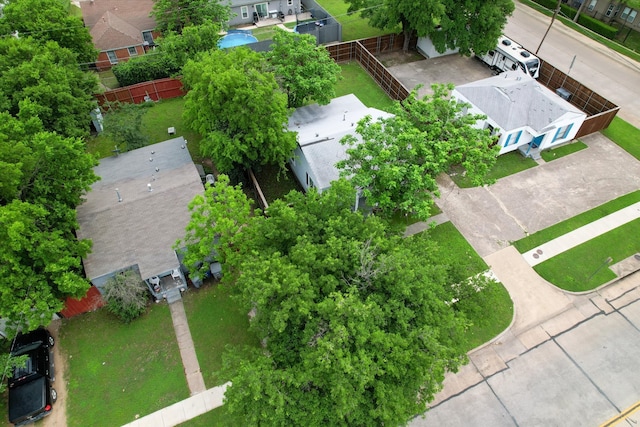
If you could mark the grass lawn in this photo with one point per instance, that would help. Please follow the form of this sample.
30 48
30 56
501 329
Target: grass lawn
275 183
565 150
584 267
355 80
353 26
625 135
490 311
561 228
108 79
506 165
118 371
215 321
159 116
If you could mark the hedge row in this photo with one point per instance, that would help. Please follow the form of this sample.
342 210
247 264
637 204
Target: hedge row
144 68
586 21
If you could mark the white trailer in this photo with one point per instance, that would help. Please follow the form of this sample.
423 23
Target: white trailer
509 55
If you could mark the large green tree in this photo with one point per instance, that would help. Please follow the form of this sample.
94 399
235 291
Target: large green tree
48 20
305 72
235 103
175 15
44 81
355 321
44 176
471 25
398 159
217 217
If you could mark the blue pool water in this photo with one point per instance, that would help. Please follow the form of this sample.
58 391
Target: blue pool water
236 38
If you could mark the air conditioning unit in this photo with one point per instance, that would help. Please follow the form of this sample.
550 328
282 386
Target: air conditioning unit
564 94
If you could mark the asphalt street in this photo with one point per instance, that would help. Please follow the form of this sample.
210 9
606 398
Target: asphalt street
582 377
609 73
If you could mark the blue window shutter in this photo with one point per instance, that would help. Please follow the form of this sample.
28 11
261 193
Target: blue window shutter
506 142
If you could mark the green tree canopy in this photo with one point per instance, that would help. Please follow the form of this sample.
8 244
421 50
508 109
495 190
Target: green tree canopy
238 108
399 158
355 321
48 20
44 81
175 15
39 265
44 176
305 72
471 26
217 218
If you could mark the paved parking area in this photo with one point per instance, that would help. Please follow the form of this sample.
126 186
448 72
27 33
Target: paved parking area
446 69
581 377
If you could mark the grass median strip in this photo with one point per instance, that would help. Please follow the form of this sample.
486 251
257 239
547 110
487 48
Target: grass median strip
543 236
585 266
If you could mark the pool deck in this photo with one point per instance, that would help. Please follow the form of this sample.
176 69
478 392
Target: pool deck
270 22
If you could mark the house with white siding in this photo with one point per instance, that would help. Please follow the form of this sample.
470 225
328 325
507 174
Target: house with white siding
522 114
320 129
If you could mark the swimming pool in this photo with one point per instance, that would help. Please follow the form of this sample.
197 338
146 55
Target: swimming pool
236 38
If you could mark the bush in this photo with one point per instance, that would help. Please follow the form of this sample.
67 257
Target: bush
585 20
151 66
126 295
596 26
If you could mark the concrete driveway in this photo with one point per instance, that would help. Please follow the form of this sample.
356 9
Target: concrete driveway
492 217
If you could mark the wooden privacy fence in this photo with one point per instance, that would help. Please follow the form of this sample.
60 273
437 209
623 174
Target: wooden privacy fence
154 90
364 51
600 111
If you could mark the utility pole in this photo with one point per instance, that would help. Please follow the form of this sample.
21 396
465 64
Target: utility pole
553 18
575 18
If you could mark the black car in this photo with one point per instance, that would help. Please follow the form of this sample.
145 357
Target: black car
31 395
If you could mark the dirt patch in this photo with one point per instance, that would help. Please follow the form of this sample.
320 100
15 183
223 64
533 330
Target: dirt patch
398 57
58 417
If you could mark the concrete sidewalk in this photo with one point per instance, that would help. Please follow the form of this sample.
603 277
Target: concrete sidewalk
185 410
581 235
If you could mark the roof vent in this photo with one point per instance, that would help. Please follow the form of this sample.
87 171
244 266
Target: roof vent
506 42
525 54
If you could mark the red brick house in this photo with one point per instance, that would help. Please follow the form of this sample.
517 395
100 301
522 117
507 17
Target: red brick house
120 29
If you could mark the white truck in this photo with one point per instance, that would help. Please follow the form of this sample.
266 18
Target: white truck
509 55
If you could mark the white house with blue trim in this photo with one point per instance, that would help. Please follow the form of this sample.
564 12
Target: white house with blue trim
523 114
320 129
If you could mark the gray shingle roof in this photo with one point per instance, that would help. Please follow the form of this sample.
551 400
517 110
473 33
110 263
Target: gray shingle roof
144 226
514 100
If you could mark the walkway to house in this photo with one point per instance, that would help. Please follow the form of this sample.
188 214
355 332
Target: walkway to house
582 235
187 349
